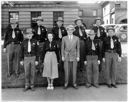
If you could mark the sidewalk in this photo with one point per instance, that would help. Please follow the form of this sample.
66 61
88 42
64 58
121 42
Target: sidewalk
59 94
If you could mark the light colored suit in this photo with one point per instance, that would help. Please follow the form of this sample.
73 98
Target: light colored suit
70 52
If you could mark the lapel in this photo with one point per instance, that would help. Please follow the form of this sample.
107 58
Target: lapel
71 42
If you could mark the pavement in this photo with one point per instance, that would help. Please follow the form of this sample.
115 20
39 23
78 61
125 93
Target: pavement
59 94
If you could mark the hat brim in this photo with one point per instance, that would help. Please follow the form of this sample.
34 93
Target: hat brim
77 20
60 20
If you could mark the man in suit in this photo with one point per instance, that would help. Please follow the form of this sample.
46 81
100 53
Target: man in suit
13 39
99 30
40 34
92 59
100 34
70 55
111 55
59 32
80 32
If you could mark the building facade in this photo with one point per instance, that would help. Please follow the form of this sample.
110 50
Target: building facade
25 12
114 12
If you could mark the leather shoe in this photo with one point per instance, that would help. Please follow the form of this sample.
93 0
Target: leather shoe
113 85
65 86
109 86
88 86
25 89
97 86
75 86
32 88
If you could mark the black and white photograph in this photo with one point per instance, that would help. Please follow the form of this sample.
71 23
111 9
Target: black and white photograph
64 50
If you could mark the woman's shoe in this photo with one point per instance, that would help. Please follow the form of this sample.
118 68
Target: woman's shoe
48 87
52 87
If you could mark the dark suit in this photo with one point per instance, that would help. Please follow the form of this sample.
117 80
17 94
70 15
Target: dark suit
13 49
111 57
29 59
41 38
92 57
82 44
70 52
102 36
55 31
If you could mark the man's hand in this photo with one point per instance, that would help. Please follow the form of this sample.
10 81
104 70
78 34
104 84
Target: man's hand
77 58
62 58
119 59
103 59
22 63
85 62
98 61
4 50
36 62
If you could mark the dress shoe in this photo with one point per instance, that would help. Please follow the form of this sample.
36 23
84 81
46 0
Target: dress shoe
75 86
109 85
26 88
32 88
65 86
88 85
97 86
113 85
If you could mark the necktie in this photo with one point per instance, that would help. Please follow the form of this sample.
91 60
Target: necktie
60 34
80 32
13 34
39 32
50 44
112 43
93 47
29 46
98 32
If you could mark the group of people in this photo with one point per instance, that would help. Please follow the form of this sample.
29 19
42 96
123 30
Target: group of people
70 48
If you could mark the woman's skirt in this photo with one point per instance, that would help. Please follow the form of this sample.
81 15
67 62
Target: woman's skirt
50 65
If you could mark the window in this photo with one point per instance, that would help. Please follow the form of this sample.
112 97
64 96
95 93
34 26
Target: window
34 14
94 12
81 13
13 16
57 14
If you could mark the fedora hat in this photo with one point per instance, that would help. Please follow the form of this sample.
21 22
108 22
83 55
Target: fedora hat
60 19
78 18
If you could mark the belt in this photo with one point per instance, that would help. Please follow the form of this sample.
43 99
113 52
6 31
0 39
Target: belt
15 42
29 55
111 51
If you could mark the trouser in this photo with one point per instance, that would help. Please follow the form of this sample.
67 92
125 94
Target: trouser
70 67
82 53
29 68
92 69
111 66
60 56
41 53
13 58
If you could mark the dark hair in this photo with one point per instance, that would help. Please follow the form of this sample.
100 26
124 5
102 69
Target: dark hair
110 29
51 34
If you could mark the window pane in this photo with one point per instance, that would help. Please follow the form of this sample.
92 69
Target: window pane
13 16
34 14
57 14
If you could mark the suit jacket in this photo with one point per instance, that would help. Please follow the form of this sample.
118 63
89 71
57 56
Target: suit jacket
55 31
76 32
107 45
53 48
8 37
43 36
89 51
102 32
70 48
